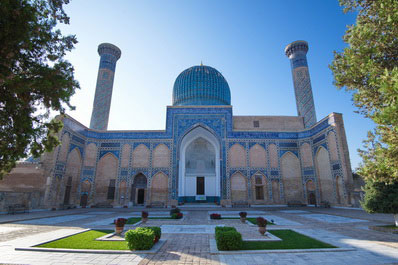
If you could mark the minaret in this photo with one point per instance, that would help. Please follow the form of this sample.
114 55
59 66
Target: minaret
103 92
297 51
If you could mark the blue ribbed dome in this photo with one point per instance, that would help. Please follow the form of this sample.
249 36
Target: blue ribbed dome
201 85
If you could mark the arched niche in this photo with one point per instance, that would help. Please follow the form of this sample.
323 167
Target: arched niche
123 192
139 189
257 156
105 177
141 156
159 189
72 177
161 156
202 169
339 190
259 188
291 176
237 156
311 192
238 188
324 175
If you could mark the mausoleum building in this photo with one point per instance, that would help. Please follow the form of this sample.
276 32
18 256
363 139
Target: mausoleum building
204 154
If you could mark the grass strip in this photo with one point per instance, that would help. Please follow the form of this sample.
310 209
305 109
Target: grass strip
86 240
389 226
290 240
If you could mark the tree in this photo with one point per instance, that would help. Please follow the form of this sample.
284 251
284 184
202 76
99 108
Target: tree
368 68
34 77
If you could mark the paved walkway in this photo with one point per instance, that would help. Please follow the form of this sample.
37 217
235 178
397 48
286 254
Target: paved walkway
343 227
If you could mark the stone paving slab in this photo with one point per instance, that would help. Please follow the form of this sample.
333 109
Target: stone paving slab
8 229
294 211
332 218
101 212
101 222
55 220
236 213
188 229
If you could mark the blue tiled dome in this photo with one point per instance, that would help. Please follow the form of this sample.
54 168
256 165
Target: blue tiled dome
201 85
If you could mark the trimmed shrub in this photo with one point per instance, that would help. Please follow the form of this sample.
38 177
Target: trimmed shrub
141 238
175 210
157 231
215 216
222 229
229 240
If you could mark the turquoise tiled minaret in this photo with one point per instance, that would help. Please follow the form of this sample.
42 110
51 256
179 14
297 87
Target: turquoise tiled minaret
297 53
103 93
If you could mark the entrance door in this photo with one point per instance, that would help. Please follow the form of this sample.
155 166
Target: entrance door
83 200
141 196
67 191
200 185
311 198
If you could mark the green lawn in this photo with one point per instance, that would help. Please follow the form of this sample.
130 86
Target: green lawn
290 240
86 240
254 221
390 226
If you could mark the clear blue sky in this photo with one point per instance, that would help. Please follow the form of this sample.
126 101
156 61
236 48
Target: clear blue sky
244 40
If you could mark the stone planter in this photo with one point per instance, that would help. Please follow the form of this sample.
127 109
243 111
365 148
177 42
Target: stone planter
144 220
119 229
262 230
243 219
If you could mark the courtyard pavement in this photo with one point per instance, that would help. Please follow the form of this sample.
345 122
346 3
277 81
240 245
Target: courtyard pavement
188 239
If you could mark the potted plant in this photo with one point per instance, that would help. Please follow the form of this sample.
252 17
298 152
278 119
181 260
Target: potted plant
215 216
144 217
262 225
243 216
119 225
176 216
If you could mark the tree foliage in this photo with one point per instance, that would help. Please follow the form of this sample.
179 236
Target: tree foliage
368 68
34 77
381 197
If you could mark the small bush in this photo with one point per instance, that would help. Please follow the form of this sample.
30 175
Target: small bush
215 216
229 240
157 231
142 238
221 229
243 214
144 214
176 216
175 210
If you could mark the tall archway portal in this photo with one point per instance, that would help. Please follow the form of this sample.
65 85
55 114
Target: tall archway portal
199 167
